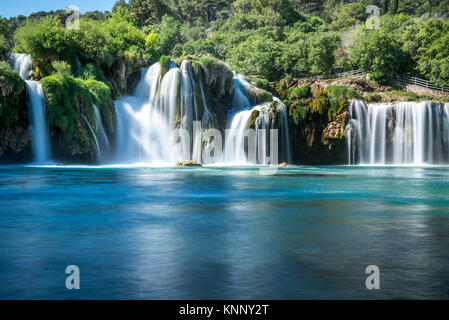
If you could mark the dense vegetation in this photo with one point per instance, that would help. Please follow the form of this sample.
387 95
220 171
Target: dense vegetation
267 38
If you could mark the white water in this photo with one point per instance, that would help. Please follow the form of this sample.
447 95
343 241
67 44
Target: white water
36 108
99 135
21 63
146 120
408 133
239 139
38 123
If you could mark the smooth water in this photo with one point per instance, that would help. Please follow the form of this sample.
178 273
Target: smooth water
38 123
405 133
224 233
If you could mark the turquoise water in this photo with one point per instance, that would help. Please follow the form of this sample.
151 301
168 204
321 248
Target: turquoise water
224 233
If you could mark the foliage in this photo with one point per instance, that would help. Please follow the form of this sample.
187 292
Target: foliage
91 71
260 83
169 34
61 68
165 63
12 91
380 53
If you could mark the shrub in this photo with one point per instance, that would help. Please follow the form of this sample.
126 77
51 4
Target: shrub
91 71
61 68
300 92
165 63
339 92
260 83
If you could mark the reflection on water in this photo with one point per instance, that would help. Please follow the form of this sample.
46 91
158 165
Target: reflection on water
224 233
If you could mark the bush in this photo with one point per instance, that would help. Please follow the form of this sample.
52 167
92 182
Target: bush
12 96
300 92
260 83
61 68
165 63
339 92
91 71
45 41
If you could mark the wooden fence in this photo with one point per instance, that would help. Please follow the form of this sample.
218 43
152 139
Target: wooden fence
407 80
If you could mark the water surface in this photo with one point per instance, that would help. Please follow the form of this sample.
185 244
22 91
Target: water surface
224 233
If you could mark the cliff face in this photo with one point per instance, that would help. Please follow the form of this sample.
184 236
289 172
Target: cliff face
15 142
317 117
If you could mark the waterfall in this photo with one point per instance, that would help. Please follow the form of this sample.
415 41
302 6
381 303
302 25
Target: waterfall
36 107
38 123
235 149
240 140
145 120
94 135
21 63
165 119
99 134
408 133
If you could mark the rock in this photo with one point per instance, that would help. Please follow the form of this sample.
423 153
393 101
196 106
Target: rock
335 129
283 164
187 164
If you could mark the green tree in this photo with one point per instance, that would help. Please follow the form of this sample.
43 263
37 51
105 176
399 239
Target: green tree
380 53
169 34
149 11
394 6
385 4
321 56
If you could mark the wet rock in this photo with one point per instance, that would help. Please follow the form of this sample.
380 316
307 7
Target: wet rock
187 164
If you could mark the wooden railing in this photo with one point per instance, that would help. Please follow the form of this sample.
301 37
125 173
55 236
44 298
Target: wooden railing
407 80
401 79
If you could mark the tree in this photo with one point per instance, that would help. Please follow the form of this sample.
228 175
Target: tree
322 47
394 6
385 4
149 11
169 34
380 53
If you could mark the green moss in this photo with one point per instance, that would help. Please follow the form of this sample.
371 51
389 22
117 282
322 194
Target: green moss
260 83
207 62
298 111
353 94
374 97
338 92
101 95
263 95
69 100
12 96
401 95
319 105
165 63
253 118
91 71
300 92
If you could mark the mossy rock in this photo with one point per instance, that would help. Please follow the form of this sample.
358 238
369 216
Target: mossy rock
69 103
253 118
165 63
15 141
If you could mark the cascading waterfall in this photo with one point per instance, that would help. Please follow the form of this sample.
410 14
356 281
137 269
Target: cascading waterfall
36 106
144 127
21 63
408 133
151 124
99 135
239 139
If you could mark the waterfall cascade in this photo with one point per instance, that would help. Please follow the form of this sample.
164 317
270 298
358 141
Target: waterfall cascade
408 133
152 123
239 139
36 106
